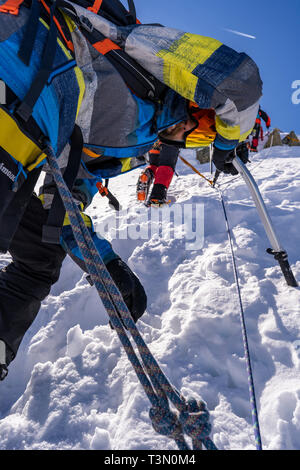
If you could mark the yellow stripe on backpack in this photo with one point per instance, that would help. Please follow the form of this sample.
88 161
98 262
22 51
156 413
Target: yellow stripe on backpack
17 143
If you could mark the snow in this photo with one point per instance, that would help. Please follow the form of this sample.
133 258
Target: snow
72 386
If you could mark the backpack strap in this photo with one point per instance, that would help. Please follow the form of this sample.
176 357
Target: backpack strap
96 6
30 33
26 107
113 10
132 11
52 231
139 80
61 26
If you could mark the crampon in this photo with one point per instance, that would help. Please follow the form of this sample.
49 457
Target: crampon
143 185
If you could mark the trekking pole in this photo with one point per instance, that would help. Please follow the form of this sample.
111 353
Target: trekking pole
277 251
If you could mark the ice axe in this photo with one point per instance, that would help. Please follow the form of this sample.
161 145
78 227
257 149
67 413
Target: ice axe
217 174
277 251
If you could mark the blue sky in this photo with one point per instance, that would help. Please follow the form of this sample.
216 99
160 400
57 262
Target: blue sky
276 49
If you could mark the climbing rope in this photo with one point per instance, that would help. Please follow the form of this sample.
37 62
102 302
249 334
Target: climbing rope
192 416
194 169
254 412
251 387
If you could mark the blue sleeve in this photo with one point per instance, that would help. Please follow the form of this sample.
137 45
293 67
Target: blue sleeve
69 244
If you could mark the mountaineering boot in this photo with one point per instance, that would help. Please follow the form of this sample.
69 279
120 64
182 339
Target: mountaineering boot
3 371
254 144
130 287
143 184
158 196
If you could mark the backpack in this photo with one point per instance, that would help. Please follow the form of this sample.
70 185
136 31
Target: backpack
21 139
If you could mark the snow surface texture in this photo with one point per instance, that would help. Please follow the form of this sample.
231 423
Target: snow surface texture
72 386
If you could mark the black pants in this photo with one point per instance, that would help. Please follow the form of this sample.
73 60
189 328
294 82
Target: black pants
168 156
27 280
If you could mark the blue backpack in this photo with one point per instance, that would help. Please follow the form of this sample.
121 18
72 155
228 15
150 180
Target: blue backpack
37 33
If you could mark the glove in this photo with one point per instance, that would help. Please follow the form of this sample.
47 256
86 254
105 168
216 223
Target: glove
242 152
129 286
222 160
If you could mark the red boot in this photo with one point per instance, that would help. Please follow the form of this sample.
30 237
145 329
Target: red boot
254 144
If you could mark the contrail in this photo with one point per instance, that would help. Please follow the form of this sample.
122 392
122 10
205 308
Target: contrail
240 34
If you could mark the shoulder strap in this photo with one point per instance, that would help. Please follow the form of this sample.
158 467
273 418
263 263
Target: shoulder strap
112 10
132 10
52 231
27 43
26 107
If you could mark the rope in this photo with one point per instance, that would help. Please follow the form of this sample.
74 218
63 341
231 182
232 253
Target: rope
254 412
251 387
194 169
193 421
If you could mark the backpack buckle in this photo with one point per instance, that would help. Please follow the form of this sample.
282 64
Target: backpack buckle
102 189
11 6
12 10
86 24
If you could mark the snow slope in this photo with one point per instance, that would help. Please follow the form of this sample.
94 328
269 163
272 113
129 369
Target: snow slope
71 385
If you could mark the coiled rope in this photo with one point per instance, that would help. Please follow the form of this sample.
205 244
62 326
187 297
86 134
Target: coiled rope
192 416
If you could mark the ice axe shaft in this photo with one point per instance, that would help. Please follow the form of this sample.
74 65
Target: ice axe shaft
277 251
217 174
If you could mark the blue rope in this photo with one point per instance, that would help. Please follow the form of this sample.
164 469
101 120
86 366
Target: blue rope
254 411
192 420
